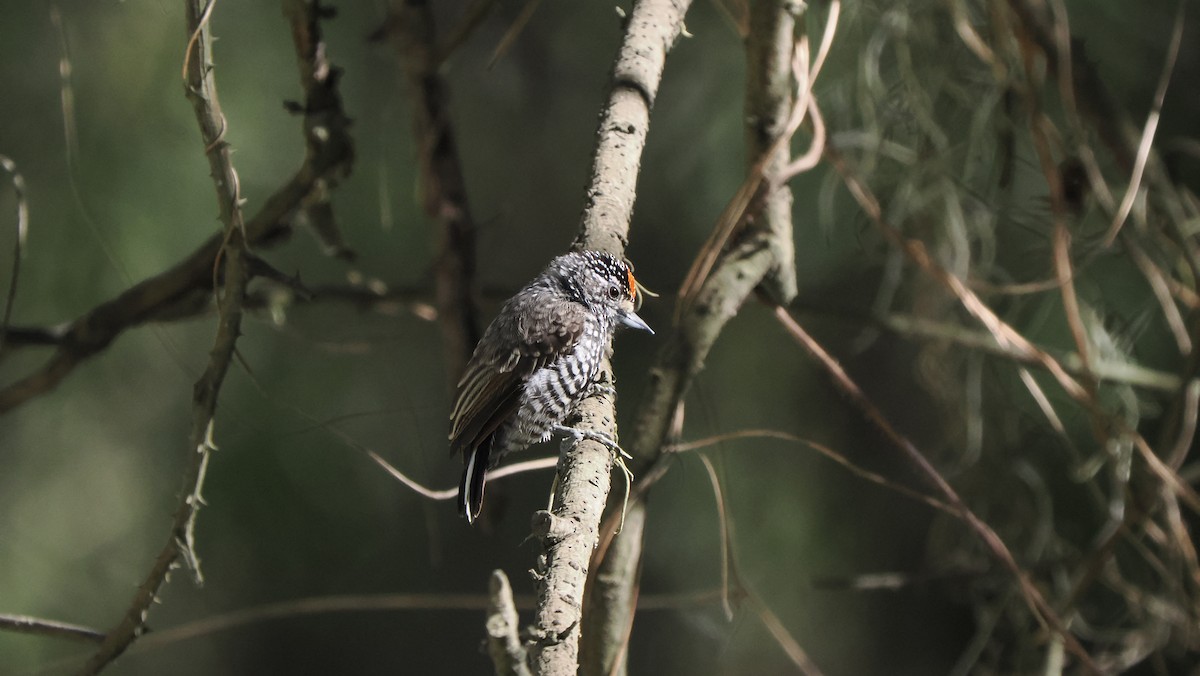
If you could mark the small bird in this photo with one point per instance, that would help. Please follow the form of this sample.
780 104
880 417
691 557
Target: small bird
537 360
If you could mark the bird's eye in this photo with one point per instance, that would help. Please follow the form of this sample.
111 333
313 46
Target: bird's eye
614 292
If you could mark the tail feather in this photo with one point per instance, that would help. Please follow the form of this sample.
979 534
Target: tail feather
470 489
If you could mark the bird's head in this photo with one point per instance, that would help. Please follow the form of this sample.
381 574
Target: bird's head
605 283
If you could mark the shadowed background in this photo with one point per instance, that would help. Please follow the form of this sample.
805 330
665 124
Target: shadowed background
119 190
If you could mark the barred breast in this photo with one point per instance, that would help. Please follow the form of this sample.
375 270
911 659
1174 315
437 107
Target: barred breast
552 392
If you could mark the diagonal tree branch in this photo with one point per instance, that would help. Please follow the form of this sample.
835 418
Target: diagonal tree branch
569 532
25 624
754 259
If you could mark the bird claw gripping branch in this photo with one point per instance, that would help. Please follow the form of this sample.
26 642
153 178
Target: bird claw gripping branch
540 358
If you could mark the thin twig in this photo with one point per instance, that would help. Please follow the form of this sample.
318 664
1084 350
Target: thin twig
771 167
10 298
723 534
1147 140
472 17
585 467
327 141
839 458
790 647
990 539
376 603
510 35
503 627
24 624
1115 371
1160 287
449 493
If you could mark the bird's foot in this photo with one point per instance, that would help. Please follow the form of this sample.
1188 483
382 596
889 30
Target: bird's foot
601 387
619 456
599 437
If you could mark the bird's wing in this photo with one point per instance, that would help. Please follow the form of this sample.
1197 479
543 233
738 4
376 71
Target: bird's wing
530 332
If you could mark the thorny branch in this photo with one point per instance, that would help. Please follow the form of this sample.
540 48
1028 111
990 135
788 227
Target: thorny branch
200 86
231 257
188 285
1034 597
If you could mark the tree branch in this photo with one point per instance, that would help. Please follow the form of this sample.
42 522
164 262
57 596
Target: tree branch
190 282
201 88
25 624
569 533
443 189
504 644
329 150
753 258
650 32
612 590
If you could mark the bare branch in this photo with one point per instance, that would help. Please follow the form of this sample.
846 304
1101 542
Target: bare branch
329 150
1042 609
443 189
503 624
570 532
510 35
651 30
472 17
1115 371
200 84
384 603
449 493
25 624
1147 140
189 283
793 650
831 454
612 589
736 271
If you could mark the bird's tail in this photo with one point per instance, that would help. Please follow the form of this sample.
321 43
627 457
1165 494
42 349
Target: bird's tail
470 490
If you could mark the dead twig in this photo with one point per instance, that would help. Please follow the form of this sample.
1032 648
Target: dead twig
24 624
1036 602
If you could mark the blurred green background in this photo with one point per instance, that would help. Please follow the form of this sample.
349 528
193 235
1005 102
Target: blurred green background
89 473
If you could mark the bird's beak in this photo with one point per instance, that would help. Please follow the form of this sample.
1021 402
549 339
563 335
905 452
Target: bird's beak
633 321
